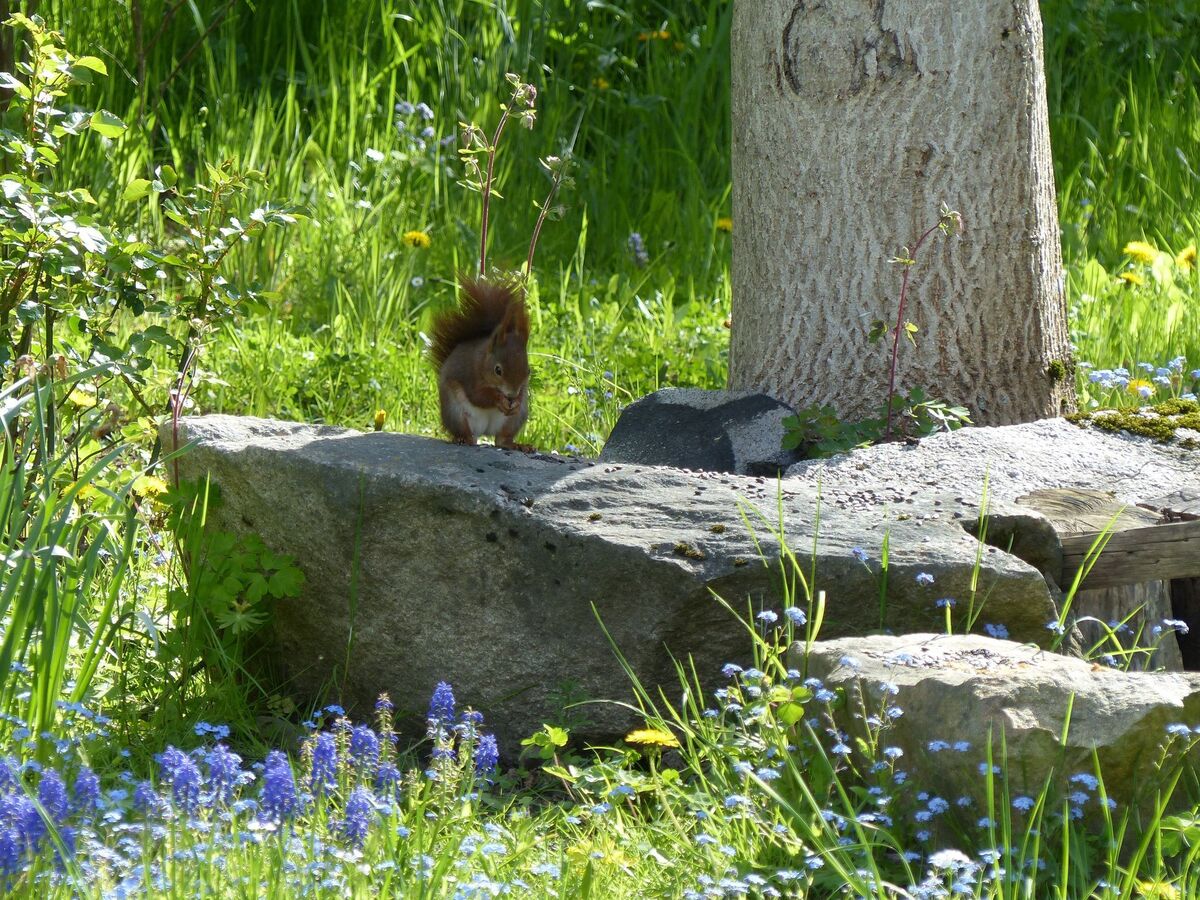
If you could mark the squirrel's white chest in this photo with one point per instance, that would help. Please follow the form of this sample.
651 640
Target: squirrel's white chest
484 422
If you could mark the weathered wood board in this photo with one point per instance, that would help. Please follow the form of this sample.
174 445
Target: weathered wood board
1149 553
1147 549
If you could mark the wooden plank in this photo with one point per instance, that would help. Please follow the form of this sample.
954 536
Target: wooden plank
1075 510
1151 553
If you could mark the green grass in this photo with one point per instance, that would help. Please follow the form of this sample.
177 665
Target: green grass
344 338
306 90
653 155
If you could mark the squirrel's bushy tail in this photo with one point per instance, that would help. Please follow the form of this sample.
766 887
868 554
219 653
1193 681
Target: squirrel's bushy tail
482 308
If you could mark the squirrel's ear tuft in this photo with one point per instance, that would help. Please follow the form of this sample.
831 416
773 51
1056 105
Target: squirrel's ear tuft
516 319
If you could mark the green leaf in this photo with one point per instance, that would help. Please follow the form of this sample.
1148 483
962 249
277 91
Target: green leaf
17 87
178 220
168 176
160 335
106 124
257 588
286 582
90 62
790 713
138 188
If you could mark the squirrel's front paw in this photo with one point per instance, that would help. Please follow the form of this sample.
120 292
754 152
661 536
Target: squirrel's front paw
513 445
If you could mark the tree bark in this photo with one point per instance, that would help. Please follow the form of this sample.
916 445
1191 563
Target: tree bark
854 122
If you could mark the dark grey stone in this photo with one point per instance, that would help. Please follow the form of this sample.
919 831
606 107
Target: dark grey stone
709 431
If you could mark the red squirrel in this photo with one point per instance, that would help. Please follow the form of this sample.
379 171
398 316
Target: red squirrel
479 349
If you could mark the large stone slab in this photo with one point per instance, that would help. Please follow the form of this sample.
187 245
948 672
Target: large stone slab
1014 460
427 561
967 687
949 472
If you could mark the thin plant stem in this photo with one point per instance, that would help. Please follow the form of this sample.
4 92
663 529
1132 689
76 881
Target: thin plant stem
487 191
908 264
541 220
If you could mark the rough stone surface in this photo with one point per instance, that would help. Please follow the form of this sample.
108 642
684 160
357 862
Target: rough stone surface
427 561
711 431
482 567
960 688
1015 460
949 471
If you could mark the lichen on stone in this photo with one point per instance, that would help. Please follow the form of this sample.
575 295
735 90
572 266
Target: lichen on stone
1162 422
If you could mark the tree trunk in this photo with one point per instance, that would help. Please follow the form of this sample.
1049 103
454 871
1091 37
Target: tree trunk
854 122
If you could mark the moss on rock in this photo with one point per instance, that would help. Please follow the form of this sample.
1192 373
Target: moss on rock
1160 423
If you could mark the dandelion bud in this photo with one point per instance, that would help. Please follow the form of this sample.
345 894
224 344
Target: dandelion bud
380 418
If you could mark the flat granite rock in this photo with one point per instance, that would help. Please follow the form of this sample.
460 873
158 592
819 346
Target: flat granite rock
1015 460
493 570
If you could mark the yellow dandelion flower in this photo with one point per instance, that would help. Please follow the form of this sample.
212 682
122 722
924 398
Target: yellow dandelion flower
150 486
1141 251
1157 890
83 395
680 46
663 35
418 239
651 737
1186 259
644 36
380 418
601 83
725 224
1137 385
1132 278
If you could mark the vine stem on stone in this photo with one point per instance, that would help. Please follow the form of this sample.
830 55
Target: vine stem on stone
909 261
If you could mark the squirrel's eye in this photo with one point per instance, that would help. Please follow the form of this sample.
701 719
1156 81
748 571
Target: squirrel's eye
499 371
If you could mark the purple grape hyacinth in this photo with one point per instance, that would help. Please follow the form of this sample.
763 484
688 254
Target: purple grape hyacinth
278 802
360 809
441 705
324 763
487 755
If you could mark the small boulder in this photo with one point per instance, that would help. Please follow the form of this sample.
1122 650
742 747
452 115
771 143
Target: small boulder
707 431
955 688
